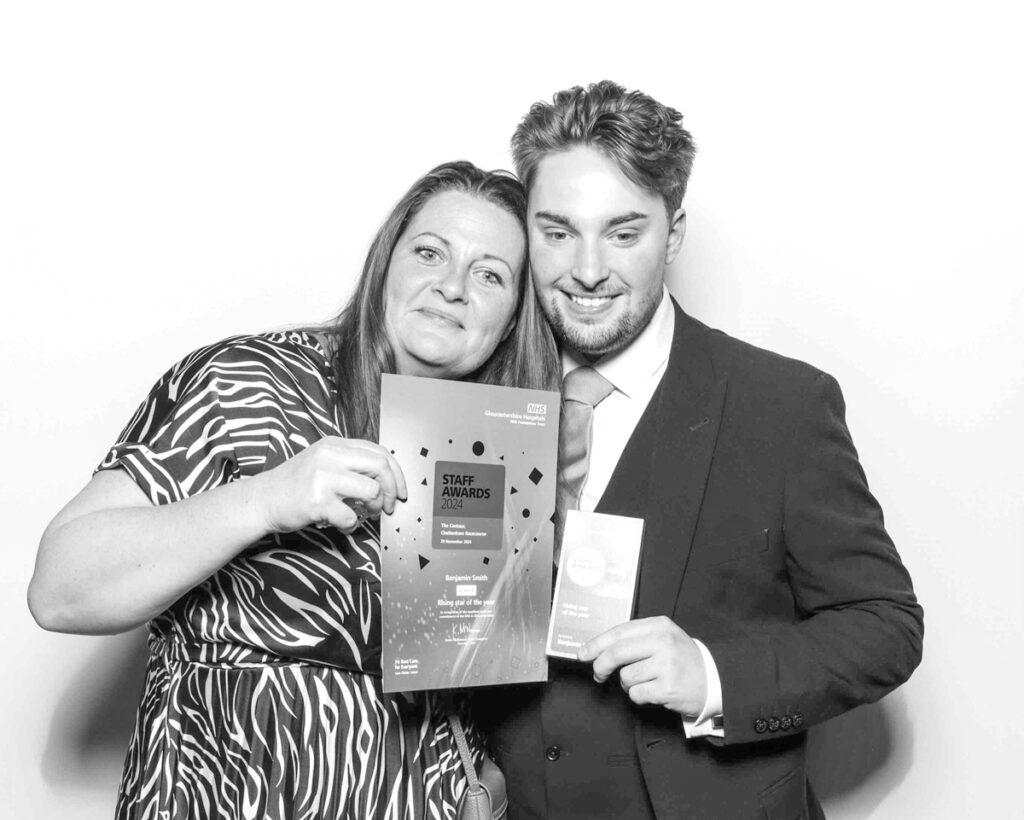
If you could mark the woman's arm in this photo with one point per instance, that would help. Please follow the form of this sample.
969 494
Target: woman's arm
111 560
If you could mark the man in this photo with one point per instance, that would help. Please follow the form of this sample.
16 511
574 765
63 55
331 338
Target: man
770 597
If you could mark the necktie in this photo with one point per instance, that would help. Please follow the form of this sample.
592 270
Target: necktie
582 390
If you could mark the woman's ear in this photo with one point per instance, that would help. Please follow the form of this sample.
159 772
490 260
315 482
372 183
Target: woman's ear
676 232
511 326
525 292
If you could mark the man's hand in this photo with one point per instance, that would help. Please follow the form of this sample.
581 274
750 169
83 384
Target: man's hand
658 663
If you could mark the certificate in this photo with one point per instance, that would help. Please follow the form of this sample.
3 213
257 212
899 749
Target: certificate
466 561
597 575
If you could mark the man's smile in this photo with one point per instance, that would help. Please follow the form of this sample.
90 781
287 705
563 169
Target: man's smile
587 303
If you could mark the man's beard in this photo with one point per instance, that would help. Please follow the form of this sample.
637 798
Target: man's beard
593 341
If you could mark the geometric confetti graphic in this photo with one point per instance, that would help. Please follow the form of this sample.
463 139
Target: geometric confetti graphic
466 578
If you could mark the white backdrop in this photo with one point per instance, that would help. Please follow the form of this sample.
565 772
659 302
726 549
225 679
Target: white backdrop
174 173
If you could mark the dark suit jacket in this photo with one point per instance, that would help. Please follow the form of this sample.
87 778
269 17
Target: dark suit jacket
763 541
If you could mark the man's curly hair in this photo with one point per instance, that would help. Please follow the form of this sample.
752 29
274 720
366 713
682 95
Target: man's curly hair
643 137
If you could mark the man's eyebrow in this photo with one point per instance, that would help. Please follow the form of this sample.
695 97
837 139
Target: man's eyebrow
564 221
622 220
558 219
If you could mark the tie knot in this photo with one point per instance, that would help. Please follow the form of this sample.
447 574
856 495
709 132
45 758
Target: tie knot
587 386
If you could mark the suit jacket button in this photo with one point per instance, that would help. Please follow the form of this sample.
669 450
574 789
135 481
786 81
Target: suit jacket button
553 753
773 724
798 720
760 726
786 722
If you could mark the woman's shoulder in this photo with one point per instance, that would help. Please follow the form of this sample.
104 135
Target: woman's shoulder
270 358
271 343
270 347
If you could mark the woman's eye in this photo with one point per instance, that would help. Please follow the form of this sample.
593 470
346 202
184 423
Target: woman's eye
489 277
428 254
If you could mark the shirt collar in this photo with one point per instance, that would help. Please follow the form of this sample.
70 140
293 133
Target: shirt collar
633 368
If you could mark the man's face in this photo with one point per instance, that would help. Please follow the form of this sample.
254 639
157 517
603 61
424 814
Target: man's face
598 249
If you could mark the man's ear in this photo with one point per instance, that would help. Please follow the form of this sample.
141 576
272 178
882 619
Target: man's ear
676 232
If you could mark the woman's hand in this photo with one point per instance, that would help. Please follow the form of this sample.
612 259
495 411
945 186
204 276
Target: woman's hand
111 560
335 481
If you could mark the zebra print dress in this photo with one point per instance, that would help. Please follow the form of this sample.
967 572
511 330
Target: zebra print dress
263 694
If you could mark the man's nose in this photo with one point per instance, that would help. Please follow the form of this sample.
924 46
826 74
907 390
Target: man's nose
451 282
590 269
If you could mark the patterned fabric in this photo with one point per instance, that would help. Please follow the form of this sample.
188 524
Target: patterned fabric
263 696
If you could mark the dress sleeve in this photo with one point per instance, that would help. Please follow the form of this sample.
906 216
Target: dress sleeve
195 430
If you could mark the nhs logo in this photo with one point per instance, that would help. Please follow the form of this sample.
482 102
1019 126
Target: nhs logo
536 409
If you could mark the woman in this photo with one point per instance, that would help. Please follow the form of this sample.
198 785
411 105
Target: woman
263 696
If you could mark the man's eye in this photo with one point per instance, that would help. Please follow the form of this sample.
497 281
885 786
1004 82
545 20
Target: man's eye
626 237
557 236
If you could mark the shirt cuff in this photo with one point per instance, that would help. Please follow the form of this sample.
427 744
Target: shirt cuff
709 722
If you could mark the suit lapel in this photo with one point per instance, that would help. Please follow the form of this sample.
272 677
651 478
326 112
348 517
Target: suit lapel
686 421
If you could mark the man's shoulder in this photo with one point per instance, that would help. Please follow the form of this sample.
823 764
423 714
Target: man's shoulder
740 361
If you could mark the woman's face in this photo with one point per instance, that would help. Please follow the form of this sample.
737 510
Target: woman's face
452 285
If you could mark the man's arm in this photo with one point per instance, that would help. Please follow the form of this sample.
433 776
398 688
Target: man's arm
861 627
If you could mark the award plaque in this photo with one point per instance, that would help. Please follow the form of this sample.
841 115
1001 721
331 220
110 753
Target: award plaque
466 561
597 576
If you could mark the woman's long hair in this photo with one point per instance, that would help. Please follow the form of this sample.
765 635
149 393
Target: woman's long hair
359 346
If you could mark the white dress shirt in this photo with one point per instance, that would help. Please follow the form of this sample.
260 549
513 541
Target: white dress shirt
636 371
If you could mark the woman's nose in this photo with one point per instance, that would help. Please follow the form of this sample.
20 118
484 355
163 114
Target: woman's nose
451 282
